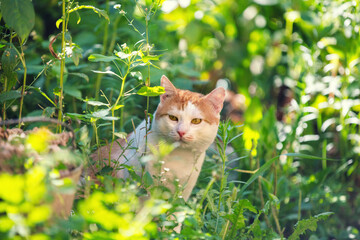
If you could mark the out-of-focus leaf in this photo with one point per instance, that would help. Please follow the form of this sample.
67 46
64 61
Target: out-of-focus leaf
107 72
42 93
11 95
58 22
95 103
101 113
72 91
148 58
78 116
308 224
266 2
98 11
100 58
80 75
254 111
117 107
121 135
19 15
151 91
258 173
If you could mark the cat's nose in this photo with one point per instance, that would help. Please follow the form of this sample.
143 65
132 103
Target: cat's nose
181 133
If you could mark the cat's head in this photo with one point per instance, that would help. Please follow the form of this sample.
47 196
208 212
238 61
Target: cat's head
188 118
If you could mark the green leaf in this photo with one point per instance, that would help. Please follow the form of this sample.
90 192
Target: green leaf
101 58
78 116
237 218
258 173
79 18
96 10
42 93
148 58
10 77
101 113
305 156
308 224
72 91
10 58
121 135
151 91
117 107
19 15
6 96
57 91
107 72
266 2
96 103
58 22
107 170
9 61
110 118
254 111
80 75
148 181
49 112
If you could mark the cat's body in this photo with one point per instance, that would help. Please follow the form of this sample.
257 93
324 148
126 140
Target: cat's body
186 119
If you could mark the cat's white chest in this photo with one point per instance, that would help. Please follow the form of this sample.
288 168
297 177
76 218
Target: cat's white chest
181 163
180 169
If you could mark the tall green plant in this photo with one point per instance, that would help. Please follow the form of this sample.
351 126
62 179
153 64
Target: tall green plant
19 16
68 7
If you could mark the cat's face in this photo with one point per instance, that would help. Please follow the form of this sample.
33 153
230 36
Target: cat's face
188 118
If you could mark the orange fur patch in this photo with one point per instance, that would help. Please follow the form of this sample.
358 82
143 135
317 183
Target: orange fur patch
181 98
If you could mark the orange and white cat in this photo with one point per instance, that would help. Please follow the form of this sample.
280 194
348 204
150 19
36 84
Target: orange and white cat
186 119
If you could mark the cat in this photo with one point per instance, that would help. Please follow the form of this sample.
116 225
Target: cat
187 120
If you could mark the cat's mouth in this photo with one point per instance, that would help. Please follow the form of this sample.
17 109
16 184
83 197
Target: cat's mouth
183 143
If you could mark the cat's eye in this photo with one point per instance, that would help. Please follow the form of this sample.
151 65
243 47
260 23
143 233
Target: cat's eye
173 118
196 121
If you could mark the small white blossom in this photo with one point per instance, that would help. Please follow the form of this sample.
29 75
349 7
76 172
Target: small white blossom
166 169
117 6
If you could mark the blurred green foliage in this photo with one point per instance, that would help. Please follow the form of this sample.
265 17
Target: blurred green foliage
292 71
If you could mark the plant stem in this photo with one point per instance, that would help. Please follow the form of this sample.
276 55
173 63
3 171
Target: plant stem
4 108
22 58
147 83
208 187
103 52
277 223
324 163
299 206
261 192
62 65
113 109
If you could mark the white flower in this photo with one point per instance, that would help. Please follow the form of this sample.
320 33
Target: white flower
117 6
166 169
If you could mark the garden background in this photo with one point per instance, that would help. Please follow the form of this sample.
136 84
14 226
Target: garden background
288 162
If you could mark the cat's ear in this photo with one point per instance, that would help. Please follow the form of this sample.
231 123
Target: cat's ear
217 97
170 89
